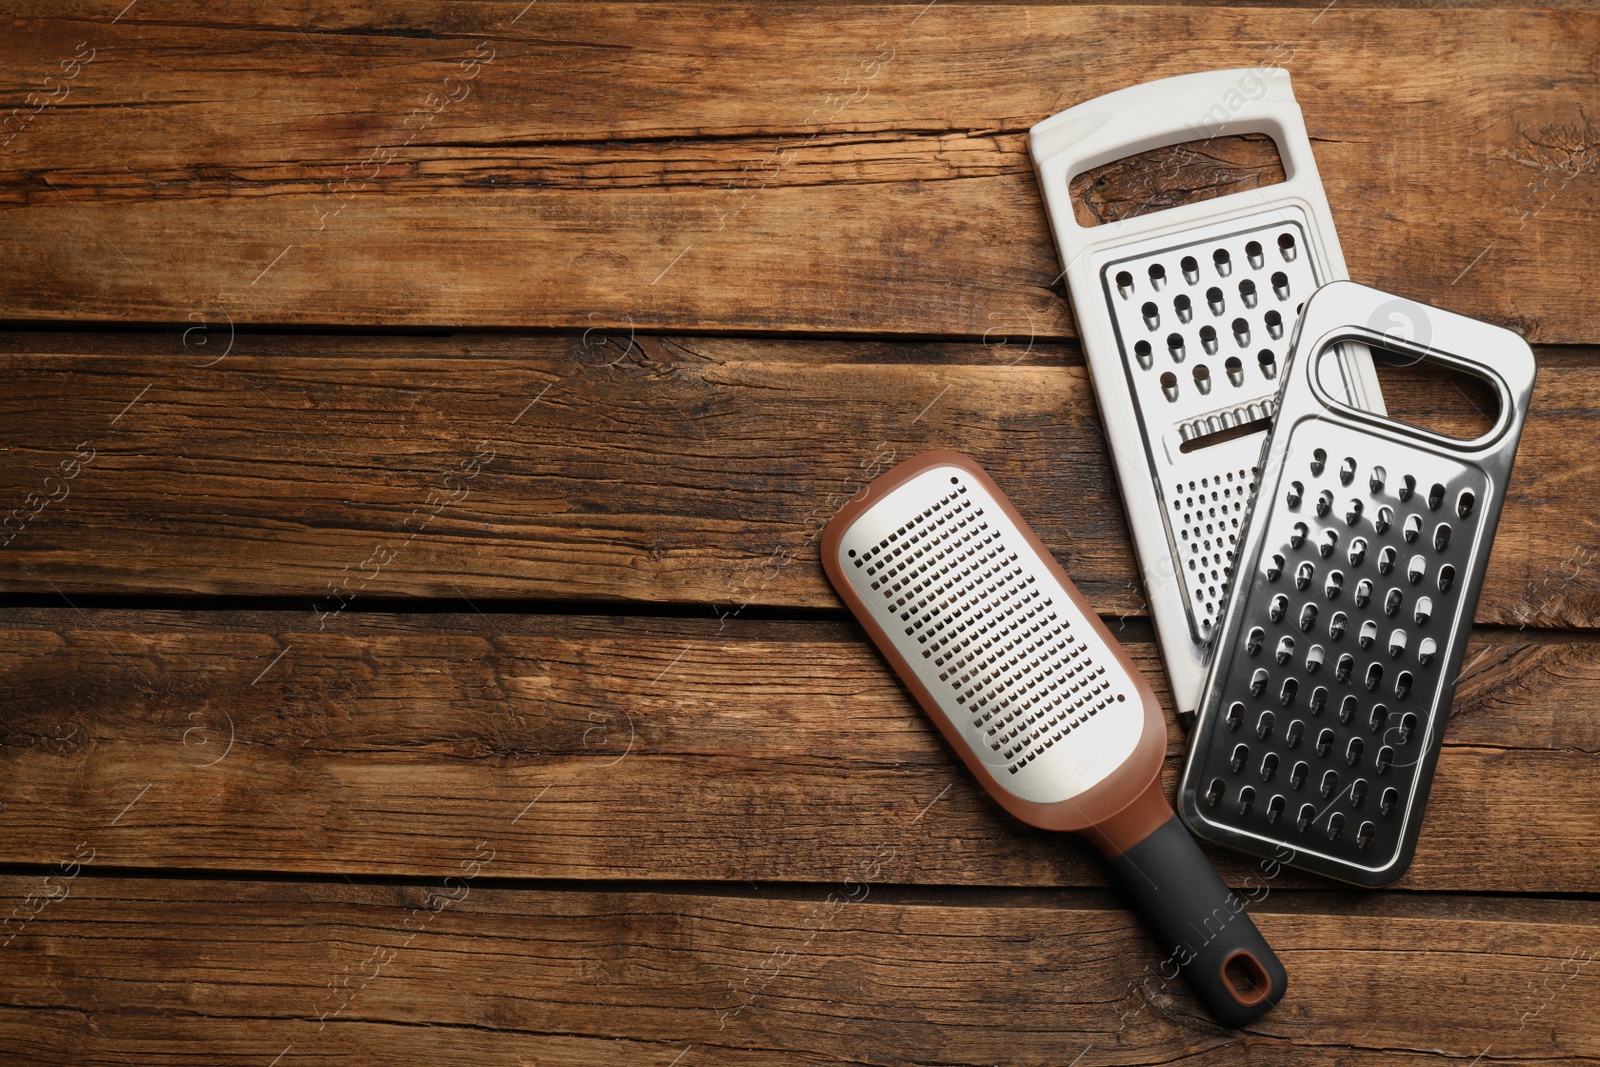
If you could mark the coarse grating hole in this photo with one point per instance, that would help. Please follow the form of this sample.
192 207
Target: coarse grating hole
1241 756
1247 797
1275 807
1335 824
1124 284
1387 802
1297 775
1214 791
1269 766
1303 822
1184 307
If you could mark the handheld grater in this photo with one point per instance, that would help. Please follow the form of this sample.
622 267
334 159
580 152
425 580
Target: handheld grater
1038 699
1336 665
1185 317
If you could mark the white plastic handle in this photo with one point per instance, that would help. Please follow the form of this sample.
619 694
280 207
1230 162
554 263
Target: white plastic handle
1189 107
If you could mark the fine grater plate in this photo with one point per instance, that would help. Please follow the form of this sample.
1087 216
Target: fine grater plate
992 635
1204 327
1323 713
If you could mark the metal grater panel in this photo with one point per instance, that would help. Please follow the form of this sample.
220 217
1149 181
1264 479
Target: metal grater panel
1337 689
991 633
1204 328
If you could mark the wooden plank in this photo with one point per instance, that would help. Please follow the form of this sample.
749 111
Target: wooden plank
692 471
660 749
735 167
160 972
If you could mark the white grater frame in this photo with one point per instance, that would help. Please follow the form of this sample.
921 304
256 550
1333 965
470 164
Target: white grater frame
1138 119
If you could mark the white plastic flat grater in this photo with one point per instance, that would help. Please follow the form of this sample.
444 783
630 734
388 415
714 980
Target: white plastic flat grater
1185 317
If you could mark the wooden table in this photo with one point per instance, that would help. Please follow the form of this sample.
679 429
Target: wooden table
421 416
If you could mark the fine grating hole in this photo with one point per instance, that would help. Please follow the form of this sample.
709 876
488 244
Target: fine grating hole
1124 284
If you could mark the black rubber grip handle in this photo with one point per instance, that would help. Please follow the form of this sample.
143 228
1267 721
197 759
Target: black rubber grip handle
1202 925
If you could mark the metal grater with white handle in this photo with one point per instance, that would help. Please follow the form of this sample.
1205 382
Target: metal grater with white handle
1038 699
1185 316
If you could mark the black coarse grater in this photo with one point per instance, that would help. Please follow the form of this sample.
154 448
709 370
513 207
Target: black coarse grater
1324 708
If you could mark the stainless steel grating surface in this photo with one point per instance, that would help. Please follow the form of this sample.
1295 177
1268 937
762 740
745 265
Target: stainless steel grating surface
990 632
1204 328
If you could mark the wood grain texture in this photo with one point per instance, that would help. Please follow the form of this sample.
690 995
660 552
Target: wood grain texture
640 749
692 471
160 972
688 166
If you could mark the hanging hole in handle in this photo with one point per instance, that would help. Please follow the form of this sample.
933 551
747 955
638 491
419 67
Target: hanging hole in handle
1246 978
1174 175
1423 392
